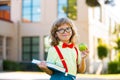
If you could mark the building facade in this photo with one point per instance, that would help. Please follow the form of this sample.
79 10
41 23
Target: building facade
25 27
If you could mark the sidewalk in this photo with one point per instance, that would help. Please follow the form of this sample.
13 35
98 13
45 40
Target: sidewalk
98 77
43 76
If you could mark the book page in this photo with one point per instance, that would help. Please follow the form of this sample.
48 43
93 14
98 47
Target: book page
50 66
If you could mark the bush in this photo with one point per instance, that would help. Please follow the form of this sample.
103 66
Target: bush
27 66
113 67
19 66
10 66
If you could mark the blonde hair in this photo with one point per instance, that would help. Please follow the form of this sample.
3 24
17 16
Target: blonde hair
58 23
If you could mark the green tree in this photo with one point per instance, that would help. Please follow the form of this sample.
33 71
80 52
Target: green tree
102 51
118 44
71 9
95 3
92 3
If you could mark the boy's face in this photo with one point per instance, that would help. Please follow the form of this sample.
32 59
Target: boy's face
64 33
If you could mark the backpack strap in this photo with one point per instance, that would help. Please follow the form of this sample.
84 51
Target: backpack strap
62 59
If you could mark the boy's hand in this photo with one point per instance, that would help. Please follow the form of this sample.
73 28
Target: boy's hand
84 53
84 50
42 65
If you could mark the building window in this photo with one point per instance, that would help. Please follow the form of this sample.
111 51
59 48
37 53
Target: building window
67 8
31 10
8 47
1 44
30 48
4 12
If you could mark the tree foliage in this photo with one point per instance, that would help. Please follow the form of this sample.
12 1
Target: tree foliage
118 44
71 9
102 51
95 3
92 3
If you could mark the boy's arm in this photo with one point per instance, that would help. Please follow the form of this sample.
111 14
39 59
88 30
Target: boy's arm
48 71
82 66
43 67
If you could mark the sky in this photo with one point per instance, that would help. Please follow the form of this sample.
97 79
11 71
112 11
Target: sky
116 9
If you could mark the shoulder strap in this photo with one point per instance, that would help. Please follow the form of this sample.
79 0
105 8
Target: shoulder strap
61 57
77 54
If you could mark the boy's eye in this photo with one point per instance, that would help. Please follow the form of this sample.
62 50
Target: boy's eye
68 28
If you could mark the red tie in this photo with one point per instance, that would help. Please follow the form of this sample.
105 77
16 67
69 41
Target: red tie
67 45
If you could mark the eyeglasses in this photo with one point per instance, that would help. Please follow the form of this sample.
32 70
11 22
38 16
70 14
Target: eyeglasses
62 31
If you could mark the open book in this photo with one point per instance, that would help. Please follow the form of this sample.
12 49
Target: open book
50 66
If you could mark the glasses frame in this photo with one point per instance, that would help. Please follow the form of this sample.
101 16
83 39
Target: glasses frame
62 31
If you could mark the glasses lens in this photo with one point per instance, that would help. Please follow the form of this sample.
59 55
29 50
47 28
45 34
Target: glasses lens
68 29
61 31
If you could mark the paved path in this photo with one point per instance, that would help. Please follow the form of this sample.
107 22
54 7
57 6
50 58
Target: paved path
43 76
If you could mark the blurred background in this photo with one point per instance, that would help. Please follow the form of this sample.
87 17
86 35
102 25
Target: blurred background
25 32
